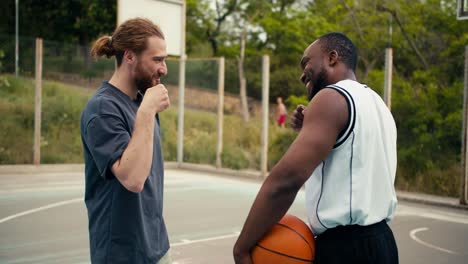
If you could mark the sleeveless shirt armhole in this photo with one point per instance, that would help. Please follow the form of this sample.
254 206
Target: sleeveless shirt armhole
346 132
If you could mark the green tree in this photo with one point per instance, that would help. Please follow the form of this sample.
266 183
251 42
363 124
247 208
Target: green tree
197 16
61 21
208 24
68 20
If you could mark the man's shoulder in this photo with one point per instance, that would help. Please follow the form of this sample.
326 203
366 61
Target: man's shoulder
352 89
103 102
348 83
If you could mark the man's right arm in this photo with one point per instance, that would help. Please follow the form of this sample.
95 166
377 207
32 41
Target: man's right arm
326 117
133 167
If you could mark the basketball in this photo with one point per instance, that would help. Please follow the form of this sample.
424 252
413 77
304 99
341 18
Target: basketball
290 241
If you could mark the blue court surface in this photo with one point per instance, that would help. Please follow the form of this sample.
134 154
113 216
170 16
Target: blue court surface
43 219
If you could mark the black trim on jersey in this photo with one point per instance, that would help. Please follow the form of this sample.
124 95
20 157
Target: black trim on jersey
351 115
320 197
351 182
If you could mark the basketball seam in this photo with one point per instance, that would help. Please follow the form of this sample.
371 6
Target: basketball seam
299 234
285 255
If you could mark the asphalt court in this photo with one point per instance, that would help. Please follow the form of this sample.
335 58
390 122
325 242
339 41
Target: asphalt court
43 220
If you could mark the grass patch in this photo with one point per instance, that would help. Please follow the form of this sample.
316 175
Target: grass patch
60 135
445 182
61 142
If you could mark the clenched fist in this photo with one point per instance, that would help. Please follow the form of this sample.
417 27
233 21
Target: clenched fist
298 117
156 99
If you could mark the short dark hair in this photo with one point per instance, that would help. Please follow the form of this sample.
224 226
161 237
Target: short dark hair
347 52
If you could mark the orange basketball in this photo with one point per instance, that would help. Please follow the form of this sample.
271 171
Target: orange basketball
290 241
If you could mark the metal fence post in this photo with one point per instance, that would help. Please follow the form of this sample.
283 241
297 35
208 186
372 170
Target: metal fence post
219 149
38 103
265 113
464 179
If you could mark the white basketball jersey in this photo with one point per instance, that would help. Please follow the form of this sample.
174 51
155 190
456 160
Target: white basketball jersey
354 185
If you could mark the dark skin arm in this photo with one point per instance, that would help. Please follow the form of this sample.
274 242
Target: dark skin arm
327 115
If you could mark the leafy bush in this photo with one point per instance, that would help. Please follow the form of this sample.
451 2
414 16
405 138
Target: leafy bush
280 142
293 101
234 158
3 81
61 108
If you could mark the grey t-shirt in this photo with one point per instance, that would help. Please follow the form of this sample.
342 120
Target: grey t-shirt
124 227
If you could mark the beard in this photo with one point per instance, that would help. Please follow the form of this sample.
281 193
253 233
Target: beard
143 80
319 83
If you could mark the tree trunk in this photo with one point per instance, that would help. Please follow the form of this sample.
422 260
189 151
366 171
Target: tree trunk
86 56
368 67
413 46
213 44
84 42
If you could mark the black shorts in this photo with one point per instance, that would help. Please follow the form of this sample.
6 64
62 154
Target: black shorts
356 244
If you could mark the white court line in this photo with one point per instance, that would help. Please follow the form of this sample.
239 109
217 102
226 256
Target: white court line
42 189
188 242
413 236
3 220
403 210
42 208
41 184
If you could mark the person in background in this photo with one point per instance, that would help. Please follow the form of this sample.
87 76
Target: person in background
282 112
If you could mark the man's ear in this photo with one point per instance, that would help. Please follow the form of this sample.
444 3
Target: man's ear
129 57
332 58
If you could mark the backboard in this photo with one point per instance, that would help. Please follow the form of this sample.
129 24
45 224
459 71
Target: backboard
168 14
462 9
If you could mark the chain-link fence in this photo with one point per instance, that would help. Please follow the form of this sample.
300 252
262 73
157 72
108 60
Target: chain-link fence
427 107
64 95
67 62
70 77
241 138
200 104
